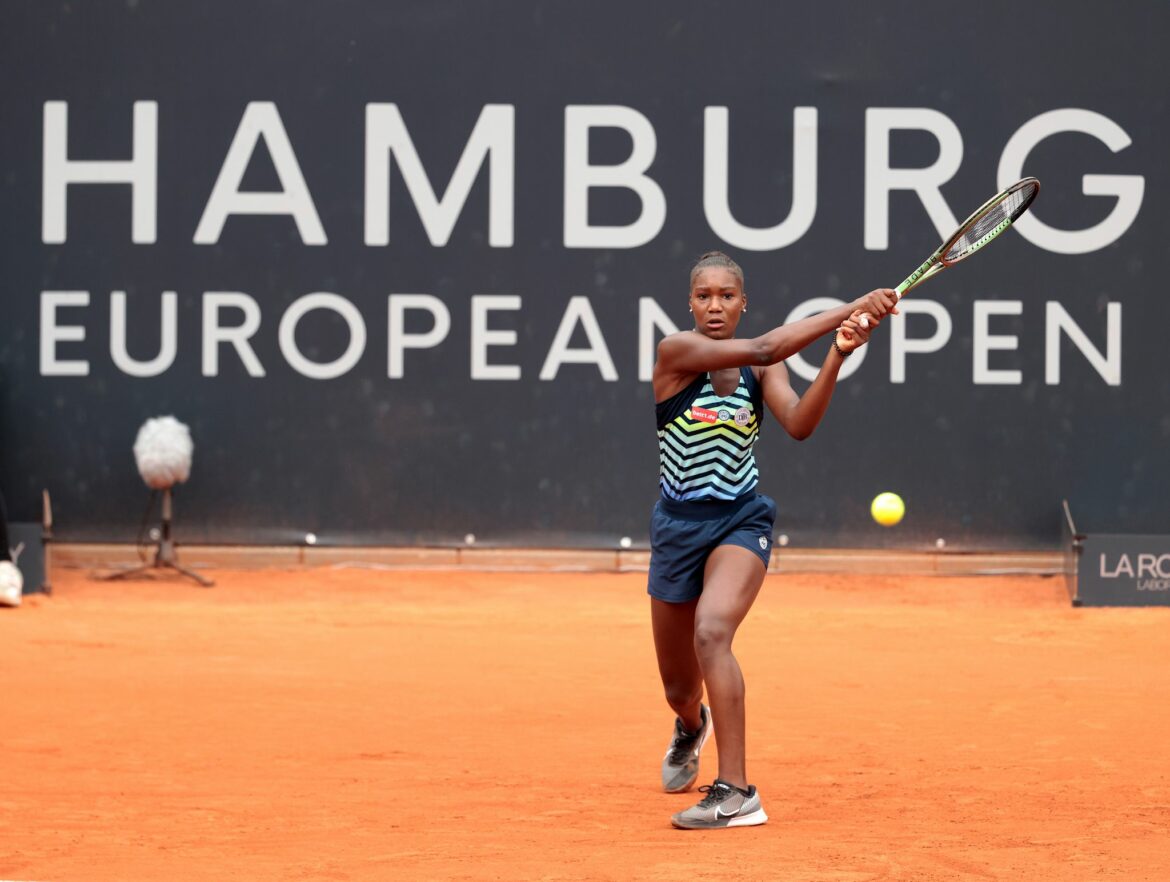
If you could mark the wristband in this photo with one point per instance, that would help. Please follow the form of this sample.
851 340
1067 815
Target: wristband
841 352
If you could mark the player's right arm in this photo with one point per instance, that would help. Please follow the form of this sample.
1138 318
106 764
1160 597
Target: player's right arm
689 352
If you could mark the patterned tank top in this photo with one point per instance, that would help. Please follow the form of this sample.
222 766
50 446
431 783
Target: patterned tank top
705 441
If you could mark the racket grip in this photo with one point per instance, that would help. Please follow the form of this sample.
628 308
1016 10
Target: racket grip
864 319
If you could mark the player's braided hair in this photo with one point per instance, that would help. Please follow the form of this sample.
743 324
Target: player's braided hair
716 258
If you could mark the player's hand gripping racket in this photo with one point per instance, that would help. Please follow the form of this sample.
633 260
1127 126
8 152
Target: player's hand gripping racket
988 221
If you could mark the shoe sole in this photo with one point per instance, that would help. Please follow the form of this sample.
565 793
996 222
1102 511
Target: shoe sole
752 820
707 730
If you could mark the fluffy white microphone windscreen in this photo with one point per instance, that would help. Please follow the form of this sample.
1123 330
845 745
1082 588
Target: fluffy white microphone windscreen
163 451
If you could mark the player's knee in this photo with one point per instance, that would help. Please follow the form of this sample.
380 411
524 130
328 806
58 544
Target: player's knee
712 636
681 696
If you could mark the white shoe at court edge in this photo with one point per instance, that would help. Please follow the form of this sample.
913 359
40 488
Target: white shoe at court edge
11 584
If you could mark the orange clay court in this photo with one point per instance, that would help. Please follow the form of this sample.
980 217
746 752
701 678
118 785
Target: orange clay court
360 724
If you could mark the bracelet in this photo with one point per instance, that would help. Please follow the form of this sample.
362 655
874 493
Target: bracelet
841 352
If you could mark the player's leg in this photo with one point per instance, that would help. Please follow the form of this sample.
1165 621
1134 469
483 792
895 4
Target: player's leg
4 546
733 578
674 645
732 582
682 681
678 550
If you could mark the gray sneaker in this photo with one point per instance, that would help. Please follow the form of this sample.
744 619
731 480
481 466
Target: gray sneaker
723 806
680 766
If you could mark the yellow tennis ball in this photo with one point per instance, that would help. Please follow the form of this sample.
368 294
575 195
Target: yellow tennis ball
887 509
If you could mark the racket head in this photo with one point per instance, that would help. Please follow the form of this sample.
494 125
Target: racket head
985 224
989 220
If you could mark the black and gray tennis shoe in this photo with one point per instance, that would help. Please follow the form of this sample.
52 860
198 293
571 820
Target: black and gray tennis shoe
723 805
680 766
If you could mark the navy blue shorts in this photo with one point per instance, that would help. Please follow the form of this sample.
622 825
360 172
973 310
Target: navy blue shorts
683 534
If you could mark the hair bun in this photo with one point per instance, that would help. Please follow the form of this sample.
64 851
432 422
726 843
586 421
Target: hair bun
716 259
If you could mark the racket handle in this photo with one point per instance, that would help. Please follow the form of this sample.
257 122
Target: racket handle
864 320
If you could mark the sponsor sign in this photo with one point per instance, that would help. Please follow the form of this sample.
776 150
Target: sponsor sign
1120 570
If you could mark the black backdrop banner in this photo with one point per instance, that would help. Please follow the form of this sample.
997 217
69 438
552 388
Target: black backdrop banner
402 267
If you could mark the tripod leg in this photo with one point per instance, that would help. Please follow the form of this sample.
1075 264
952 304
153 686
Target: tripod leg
126 574
191 574
202 580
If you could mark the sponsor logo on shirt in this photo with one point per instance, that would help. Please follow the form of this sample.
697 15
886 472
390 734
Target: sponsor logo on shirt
704 415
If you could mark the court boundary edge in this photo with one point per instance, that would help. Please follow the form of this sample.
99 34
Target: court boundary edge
835 560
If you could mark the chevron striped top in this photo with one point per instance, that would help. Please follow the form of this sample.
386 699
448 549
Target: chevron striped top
705 441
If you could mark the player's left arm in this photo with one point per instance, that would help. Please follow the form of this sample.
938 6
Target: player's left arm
801 414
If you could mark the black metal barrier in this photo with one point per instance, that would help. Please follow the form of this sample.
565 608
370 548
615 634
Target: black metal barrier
29 551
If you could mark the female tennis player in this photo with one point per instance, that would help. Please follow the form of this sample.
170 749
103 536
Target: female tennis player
711 532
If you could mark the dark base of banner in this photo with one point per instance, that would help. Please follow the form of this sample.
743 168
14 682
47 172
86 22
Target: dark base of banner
1115 569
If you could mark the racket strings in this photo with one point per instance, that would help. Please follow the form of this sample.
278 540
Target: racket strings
990 222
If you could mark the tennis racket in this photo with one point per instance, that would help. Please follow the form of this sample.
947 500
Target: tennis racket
982 227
